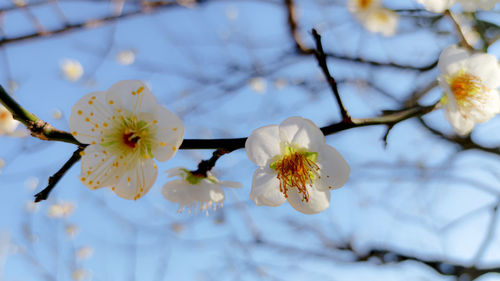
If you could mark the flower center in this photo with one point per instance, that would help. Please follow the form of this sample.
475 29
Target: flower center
469 92
465 85
297 169
130 138
4 115
364 4
129 134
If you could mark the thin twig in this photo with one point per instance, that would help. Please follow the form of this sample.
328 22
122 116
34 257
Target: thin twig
463 40
206 165
489 235
53 180
321 57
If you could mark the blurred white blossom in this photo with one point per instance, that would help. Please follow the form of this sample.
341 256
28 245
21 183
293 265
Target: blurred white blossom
81 274
31 183
373 16
439 6
84 253
56 114
470 83
7 123
31 207
71 230
71 69
126 57
258 84
280 83
59 210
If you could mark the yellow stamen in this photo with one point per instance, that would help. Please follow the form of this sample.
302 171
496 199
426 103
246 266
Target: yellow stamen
296 169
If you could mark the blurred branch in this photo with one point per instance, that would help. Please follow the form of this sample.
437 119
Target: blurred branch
304 50
384 256
465 142
143 7
53 180
489 234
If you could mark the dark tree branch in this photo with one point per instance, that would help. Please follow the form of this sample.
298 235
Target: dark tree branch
53 180
321 58
206 165
465 142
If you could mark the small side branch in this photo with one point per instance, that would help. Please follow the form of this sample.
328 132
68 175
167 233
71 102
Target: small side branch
53 180
463 40
321 57
206 165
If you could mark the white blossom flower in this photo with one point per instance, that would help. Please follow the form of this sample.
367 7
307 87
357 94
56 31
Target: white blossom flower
359 7
60 210
84 253
437 6
373 16
296 164
125 129
71 69
126 57
71 230
7 123
470 84
258 84
474 5
195 191
382 21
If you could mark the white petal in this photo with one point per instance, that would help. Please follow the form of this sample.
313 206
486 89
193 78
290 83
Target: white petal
178 191
88 116
319 200
136 182
485 66
452 60
460 124
302 132
133 96
263 144
334 170
437 6
209 192
485 109
170 134
232 184
186 194
266 188
97 169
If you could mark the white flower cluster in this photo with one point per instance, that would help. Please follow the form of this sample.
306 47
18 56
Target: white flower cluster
373 16
439 6
125 128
